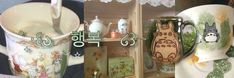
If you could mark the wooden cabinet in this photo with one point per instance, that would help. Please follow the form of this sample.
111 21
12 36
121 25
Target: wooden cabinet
137 15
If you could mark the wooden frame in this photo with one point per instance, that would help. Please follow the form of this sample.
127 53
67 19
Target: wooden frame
133 12
111 12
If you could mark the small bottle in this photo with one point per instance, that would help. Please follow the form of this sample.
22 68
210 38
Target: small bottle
114 34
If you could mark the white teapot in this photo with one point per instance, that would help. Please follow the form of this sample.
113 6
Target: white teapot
97 25
122 26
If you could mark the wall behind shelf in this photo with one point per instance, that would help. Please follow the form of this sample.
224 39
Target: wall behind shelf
149 12
112 10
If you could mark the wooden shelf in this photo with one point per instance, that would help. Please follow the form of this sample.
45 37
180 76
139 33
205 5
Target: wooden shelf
130 77
161 75
111 39
108 40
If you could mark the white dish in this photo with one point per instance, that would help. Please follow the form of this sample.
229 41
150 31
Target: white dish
186 68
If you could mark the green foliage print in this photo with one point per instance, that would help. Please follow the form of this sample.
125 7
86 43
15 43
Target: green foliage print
64 62
220 68
225 33
188 39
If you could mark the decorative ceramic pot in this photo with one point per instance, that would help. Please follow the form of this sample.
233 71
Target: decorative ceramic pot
122 26
167 45
98 26
34 49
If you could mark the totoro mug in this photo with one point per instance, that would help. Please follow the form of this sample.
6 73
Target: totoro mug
167 46
214 24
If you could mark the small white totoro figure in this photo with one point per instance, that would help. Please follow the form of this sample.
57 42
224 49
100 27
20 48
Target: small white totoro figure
122 26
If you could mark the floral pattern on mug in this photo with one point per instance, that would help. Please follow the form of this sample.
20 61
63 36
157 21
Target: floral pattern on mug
42 66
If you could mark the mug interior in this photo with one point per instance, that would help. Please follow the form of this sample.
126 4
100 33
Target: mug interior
35 17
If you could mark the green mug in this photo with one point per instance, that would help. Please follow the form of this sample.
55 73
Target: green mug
167 45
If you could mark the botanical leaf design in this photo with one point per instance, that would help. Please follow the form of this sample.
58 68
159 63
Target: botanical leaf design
225 33
220 68
215 74
63 62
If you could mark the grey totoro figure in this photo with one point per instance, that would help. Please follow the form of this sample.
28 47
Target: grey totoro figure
210 34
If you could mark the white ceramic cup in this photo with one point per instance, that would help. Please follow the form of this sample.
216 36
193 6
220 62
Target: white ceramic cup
44 55
214 24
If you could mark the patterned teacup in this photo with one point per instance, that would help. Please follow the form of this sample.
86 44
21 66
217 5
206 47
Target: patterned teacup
33 47
214 24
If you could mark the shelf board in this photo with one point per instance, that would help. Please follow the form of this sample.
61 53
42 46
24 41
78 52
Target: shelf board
130 77
108 40
161 75
111 39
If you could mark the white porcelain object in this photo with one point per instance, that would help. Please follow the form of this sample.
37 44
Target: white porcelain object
98 26
123 26
214 24
189 69
44 55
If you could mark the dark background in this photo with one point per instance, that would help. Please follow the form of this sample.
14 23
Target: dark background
75 71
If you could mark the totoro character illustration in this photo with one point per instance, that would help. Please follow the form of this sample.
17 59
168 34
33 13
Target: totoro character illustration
210 34
165 46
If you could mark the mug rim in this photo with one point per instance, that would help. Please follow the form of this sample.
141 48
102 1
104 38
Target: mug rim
201 6
29 38
169 18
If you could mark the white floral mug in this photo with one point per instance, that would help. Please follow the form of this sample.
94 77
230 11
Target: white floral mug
34 49
214 24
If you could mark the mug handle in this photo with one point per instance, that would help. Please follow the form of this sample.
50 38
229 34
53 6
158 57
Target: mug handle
191 49
232 35
72 59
